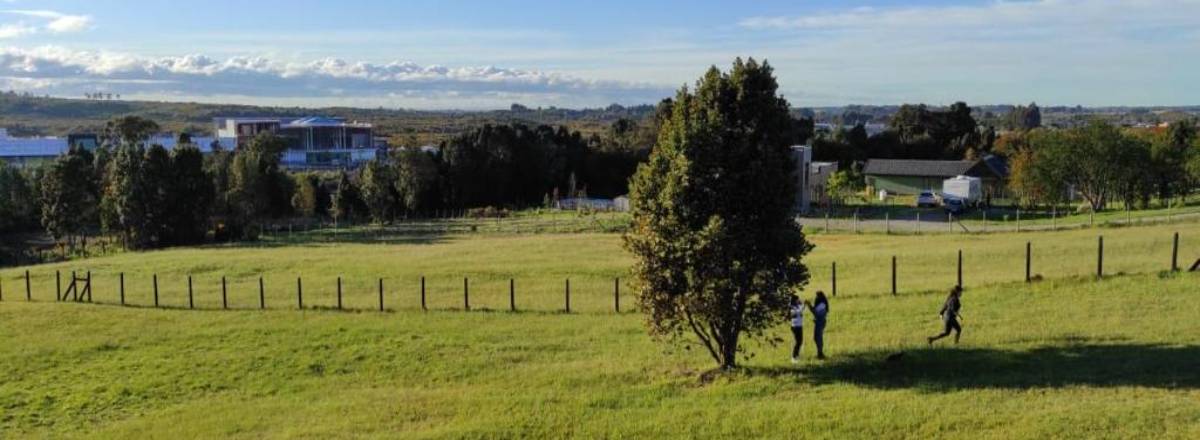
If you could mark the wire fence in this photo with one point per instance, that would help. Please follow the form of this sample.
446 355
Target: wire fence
883 274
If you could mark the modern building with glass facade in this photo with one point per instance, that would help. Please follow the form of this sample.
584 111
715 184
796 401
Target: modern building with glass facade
314 142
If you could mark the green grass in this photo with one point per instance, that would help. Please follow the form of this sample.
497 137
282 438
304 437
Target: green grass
540 265
1069 357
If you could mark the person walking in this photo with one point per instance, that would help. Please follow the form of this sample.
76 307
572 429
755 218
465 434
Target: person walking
820 309
950 315
797 314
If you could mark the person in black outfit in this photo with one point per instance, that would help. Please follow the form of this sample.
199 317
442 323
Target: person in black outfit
820 309
950 315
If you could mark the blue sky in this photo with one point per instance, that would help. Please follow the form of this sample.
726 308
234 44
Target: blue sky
488 54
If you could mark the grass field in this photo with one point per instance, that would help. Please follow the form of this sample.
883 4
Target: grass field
540 265
1068 357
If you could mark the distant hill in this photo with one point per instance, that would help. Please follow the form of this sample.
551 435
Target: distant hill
26 115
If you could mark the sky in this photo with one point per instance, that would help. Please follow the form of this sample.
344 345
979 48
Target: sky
489 54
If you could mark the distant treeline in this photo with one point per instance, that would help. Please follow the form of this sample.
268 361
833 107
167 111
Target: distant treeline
151 197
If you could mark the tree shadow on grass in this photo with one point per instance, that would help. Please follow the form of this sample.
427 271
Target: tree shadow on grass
952 368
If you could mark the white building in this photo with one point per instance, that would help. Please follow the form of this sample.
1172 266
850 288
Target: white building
802 155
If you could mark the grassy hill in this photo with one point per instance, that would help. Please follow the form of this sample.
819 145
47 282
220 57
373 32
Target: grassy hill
1068 357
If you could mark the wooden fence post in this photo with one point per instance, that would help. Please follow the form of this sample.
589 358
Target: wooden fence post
299 294
1018 220
568 296
617 295
381 294
423 294
1100 258
224 294
74 288
58 296
466 295
191 304
887 223
1175 254
89 286
28 289
262 294
122 281
155 290
918 223
834 279
1028 261
512 295
339 293
960 264
893 275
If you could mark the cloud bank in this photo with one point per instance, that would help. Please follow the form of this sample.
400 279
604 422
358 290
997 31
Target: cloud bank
65 72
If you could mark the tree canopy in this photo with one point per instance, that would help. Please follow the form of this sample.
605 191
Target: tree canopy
718 253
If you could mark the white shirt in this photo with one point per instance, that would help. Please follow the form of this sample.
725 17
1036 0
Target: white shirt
798 315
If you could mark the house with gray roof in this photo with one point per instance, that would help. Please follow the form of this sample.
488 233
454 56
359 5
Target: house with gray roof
911 177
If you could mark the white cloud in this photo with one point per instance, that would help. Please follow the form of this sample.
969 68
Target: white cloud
56 22
15 30
62 71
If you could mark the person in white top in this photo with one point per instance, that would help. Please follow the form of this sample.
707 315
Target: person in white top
797 313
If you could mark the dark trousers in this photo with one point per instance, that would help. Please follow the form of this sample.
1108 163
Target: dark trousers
798 333
819 337
951 326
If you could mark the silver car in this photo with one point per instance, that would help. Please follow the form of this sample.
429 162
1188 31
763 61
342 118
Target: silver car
927 200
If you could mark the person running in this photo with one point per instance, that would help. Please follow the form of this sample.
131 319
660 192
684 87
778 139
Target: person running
950 315
797 314
820 309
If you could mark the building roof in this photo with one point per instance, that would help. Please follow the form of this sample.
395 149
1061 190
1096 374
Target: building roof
997 164
322 121
923 168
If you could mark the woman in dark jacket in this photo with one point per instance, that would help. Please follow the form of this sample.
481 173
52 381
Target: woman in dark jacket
820 309
949 315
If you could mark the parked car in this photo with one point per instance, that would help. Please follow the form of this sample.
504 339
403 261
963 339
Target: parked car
927 200
954 205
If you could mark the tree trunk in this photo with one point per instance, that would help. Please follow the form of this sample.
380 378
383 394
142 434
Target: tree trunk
729 354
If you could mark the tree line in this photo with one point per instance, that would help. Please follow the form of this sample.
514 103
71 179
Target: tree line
1102 164
152 197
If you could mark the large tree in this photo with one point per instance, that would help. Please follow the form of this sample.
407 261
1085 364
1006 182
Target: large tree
717 250
18 200
69 197
416 179
377 181
191 197
128 130
258 188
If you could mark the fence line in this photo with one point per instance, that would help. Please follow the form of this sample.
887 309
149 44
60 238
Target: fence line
80 288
